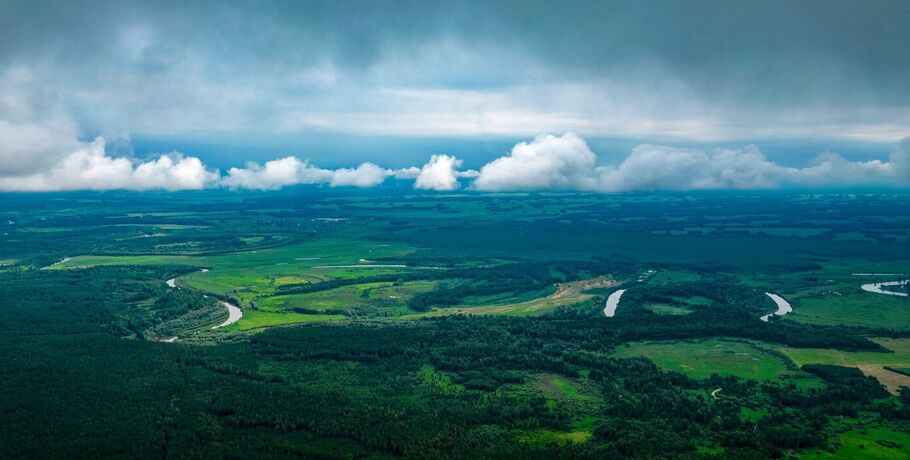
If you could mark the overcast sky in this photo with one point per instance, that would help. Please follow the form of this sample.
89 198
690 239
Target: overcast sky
390 82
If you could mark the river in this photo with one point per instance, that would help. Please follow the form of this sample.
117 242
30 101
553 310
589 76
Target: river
877 287
613 302
783 307
234 314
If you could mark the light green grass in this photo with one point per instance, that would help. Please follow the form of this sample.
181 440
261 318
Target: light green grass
831 295
699 359
851 306
861 445
900 357
564 294
438 381
253 319
870 363
564 386
248 275
381 297
543 436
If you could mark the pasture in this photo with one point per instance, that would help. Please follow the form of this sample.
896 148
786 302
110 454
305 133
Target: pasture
700 359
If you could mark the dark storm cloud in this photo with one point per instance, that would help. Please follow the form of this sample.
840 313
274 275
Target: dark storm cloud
661 69
782 48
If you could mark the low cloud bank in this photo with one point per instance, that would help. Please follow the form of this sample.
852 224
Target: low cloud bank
91 168
547 162
293 171
566 163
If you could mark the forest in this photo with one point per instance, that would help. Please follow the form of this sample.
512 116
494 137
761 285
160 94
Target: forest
385 334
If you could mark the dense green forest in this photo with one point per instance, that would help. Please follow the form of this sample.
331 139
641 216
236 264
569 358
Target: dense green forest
394 325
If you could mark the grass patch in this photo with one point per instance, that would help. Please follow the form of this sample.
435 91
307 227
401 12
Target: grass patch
664 309
439 381
870 443
373 298
564 294
254 319
871 363
699 359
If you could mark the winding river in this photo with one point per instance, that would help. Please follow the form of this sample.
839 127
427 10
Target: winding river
234 314
878 287
613 302
783 307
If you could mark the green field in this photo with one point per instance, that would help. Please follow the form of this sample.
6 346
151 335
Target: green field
385 299
871 363
845 303
899 356
253 319
563 294
699 359
870 443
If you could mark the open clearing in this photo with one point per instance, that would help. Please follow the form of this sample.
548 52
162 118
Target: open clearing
566 294
871 363
380 298
665 309
864 444
254 319
701 358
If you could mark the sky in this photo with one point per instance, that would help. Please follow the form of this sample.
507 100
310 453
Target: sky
604 96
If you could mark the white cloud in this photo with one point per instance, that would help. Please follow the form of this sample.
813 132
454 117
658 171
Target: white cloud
275 174
546 163
40 149
365 175
566 163
292 171
441 173
653 167
90 168
407 173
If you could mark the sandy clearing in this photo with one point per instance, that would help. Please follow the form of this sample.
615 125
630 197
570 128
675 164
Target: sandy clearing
890 379
172 282
783 307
